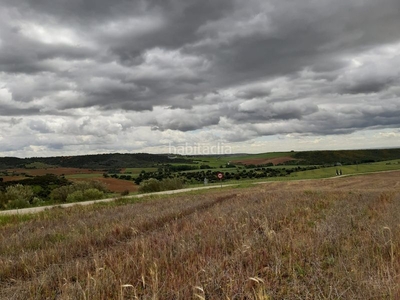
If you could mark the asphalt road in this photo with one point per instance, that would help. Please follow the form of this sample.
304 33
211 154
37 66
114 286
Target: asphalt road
31 210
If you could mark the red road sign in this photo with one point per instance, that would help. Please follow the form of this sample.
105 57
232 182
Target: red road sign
220 175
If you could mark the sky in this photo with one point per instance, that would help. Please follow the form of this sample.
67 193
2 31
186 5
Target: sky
96 76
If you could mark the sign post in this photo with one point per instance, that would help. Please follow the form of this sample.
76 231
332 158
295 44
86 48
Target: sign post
220 176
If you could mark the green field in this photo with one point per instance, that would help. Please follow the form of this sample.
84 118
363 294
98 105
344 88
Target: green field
84 175
347 170
218 160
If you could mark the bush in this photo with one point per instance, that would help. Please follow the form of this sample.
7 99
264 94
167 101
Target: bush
84 195
153 185
3 200
76 196
36 201
150 185
17 196
93 184
125 193
92 194
62 193
18 203
171 184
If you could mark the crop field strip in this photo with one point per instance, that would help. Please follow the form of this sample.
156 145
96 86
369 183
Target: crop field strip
328 239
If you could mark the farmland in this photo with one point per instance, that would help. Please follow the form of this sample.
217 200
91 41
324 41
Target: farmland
316 239
32 182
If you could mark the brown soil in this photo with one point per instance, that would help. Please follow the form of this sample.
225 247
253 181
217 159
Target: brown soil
114 185
263 161
12 178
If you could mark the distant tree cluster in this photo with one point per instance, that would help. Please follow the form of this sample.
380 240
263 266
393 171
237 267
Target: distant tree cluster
41 189
41 185
346 157
211 175
96 161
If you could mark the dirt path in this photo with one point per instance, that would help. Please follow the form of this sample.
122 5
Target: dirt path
42 208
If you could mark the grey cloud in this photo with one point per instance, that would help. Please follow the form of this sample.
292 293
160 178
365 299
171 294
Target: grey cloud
182 20
39 126
267 67
14 111
261 111
366 87
55 146
251 93
23 54
15 121
185 121
322 122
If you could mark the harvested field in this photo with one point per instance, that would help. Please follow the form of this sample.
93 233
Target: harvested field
316 239
263 161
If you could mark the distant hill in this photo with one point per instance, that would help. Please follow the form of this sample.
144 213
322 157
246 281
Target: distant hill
346 156
143 160
95 161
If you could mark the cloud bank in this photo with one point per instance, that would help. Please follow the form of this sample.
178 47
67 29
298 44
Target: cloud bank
86 76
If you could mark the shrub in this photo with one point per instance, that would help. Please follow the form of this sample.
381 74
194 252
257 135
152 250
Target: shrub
36 201
75 197
61 194
92 194
93 184
125 193
18 203
84 195
17 196
171 184
150 185
153 185
3 200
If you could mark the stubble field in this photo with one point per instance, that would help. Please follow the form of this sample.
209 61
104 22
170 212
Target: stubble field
319 239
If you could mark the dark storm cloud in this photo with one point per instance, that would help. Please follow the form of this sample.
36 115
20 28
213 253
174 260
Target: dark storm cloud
253 93
21 53
262 67
366 87
13 111
260 111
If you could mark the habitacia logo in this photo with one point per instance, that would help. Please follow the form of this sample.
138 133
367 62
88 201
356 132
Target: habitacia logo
200 149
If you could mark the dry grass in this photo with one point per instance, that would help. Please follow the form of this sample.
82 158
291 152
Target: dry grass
328 239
